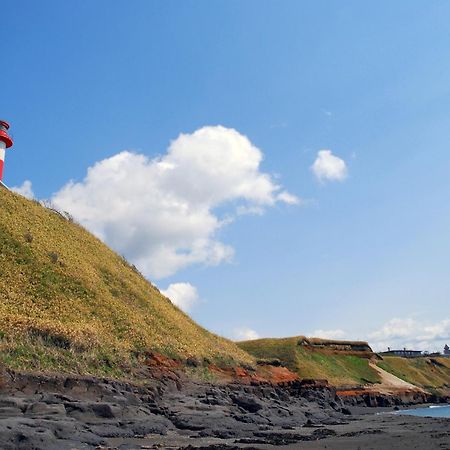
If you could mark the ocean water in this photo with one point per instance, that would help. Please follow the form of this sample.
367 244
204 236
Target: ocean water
431 411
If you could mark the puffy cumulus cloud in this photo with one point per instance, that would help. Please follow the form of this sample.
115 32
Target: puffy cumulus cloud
328 167
411 333
329 334
25 189
245 334
183 295
161 213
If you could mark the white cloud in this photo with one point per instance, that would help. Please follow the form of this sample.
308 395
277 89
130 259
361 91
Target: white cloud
440 331
395 329
411 333
288 198
161 213
25 189
183 295
329 334
328 167
245 334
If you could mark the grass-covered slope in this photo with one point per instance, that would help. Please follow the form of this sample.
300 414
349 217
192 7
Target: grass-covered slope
68 303
430 373
318 359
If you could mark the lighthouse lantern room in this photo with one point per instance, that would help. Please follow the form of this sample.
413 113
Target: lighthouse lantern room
5 142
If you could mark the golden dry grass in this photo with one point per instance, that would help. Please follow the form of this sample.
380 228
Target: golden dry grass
431 373
69 303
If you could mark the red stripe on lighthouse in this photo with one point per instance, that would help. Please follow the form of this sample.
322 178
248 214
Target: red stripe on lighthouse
5 142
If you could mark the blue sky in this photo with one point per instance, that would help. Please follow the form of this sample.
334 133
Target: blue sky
366 256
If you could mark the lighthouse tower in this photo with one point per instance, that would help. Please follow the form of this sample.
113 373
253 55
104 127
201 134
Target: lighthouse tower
5 142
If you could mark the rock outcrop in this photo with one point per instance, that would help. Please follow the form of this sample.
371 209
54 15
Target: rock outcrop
65 412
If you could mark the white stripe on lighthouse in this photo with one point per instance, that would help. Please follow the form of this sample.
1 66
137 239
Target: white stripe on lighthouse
2 158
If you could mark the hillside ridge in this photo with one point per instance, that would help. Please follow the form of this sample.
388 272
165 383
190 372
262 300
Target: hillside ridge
352 364
68 303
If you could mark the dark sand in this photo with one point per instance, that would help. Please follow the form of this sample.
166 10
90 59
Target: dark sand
380 432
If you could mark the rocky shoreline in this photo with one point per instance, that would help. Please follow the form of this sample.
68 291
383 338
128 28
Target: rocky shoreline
67 412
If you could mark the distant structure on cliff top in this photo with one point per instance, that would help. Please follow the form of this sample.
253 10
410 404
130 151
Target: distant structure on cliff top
403 353
5 142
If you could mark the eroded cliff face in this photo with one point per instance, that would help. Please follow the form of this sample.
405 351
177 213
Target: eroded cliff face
374 398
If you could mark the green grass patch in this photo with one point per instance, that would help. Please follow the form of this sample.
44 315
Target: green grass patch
338 369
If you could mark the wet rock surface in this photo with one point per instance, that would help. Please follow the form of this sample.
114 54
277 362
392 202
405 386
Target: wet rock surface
58 413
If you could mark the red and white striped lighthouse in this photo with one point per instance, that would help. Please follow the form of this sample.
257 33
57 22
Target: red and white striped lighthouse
5 142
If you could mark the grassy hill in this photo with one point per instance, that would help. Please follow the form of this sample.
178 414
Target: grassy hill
68 303
346 363
342 363
430 373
